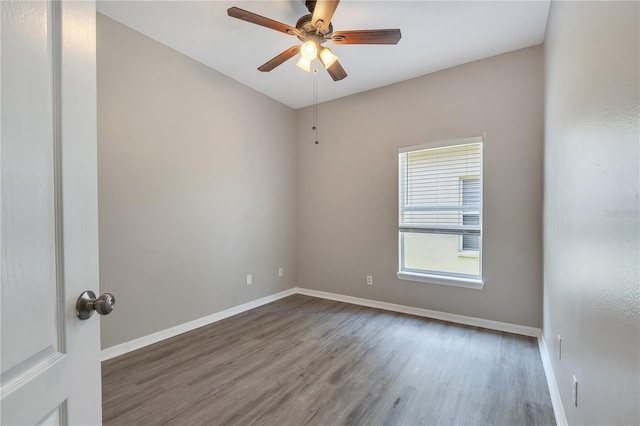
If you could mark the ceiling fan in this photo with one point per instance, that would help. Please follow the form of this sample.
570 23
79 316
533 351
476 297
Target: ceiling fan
313 30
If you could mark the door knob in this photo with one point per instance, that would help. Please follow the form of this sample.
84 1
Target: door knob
88 303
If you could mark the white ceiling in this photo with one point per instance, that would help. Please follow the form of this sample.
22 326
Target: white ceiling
435 35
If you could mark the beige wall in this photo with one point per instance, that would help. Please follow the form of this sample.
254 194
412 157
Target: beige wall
348 185
196 187
591 216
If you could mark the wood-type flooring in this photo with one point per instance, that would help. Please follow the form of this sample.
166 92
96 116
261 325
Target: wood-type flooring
303 360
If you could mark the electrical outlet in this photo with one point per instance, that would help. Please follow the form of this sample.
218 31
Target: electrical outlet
369 280
249 279
280 272
559 346
574 391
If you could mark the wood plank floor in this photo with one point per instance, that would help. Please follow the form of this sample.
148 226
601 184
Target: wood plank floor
302 360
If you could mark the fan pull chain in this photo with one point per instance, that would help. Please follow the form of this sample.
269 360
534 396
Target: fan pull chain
315 104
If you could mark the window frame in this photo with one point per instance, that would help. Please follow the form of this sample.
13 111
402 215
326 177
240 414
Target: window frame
462 252
441 277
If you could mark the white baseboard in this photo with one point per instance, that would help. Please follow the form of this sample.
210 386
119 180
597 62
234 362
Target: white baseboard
427 313
150 339
554 392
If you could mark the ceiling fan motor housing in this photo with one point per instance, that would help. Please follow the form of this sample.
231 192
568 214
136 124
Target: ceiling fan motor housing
307 29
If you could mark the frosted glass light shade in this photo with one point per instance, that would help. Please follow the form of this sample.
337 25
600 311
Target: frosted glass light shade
304 63
309 50
327 57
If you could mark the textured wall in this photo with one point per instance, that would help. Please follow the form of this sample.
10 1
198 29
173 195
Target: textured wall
348 185
591 216
196 187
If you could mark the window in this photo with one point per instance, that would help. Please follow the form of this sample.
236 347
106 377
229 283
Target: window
440 213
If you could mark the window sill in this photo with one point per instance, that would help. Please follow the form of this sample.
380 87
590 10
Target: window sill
472 254
441 280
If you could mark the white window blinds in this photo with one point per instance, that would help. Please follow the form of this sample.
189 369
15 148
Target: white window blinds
441 190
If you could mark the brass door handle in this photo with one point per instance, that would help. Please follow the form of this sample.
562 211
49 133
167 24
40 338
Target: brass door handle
88 303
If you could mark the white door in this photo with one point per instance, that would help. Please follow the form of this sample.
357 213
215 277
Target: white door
50 368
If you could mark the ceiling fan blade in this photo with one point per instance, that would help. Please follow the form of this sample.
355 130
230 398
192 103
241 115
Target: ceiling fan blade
281 58
336 71
245 15
323 13
390 36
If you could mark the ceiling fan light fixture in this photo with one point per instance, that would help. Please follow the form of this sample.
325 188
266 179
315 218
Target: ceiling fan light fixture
309 50
304 64
313 30
327 57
